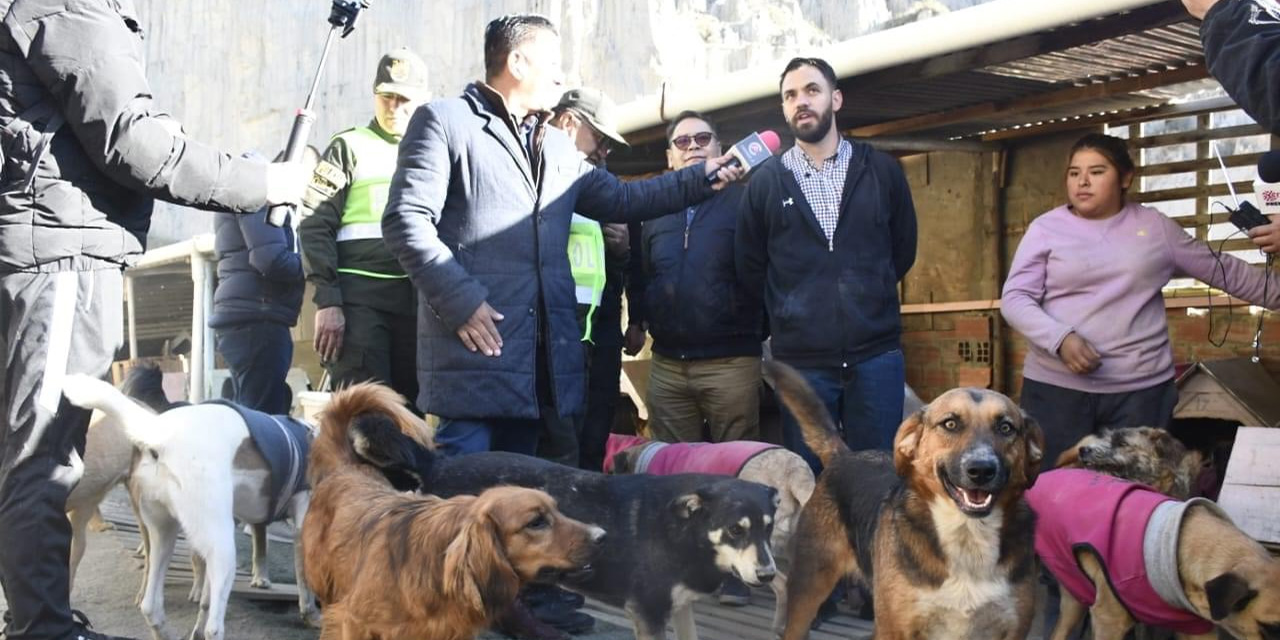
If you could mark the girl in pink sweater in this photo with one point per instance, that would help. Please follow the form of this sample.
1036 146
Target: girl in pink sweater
1084 289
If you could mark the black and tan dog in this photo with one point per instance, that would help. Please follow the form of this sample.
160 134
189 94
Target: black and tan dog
938 530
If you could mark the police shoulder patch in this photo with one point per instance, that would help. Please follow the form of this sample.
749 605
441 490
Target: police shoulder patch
330 173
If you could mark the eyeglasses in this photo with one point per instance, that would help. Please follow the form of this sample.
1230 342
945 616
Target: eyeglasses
703 139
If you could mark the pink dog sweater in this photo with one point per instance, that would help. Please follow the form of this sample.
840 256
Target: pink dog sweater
669 458
1117 520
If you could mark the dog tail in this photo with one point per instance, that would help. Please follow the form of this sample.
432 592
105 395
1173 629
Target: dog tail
815 421
333 447
139 422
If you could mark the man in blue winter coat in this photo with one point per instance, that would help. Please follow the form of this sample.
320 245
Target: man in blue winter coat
479 215
258 298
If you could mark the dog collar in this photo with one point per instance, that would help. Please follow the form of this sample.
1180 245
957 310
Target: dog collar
1160 548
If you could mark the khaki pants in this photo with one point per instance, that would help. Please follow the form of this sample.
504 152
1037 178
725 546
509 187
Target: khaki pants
723 392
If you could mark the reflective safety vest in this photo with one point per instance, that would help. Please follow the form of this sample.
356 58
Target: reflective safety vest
367 191
586 263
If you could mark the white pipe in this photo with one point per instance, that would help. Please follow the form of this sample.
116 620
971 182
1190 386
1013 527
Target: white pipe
975 26
210 282
132 307
196 390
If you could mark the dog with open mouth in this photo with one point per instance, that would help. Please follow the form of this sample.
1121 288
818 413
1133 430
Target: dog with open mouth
938 529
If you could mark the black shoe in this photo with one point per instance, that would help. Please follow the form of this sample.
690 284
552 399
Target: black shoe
563 617
518 622
84 631
538 595
734 593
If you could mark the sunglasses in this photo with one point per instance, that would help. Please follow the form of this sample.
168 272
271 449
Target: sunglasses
703 139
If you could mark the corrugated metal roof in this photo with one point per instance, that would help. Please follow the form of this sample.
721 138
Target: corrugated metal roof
1158 48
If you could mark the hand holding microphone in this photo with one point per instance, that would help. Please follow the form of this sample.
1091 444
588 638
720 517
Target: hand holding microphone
742 158
1266 234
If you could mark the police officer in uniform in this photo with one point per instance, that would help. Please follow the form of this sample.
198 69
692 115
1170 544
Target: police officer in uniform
366 322
600 260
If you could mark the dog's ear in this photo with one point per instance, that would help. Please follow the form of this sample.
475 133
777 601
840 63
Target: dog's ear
1033 459
1228 593
907 441
686 505
476 569
1070 459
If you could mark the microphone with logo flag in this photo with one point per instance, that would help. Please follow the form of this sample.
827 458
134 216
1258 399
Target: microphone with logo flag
1266 188
750 152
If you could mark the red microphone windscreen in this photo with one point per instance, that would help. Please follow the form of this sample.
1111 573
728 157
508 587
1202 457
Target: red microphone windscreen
770 140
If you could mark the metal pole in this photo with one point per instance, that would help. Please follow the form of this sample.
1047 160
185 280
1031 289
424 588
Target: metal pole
195 361
132 312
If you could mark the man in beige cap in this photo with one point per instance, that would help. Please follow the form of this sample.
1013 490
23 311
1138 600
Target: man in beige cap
366 318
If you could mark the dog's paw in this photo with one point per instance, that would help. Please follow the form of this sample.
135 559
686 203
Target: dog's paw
260 583
312 618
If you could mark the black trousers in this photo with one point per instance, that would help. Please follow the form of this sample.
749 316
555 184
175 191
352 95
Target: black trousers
378 345
1067 415
258 355
604 367
51 324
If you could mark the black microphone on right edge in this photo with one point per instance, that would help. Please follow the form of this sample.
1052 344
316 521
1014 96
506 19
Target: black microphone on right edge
1266 189
750 152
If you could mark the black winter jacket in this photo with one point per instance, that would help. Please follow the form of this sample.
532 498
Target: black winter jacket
692 300
85 150
829 307
1242 47
259 272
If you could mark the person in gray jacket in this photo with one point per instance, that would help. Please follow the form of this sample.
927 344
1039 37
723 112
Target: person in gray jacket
85 152
479 217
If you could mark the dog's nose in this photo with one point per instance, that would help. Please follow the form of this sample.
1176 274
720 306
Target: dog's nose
766 574
597 535
981 471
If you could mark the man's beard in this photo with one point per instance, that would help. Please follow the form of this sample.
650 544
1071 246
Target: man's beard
818 132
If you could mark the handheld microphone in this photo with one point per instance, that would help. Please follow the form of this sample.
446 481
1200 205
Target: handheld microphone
1266 189
750 152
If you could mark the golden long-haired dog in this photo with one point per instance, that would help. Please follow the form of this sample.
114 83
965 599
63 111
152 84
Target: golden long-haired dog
393 565
1142 454
938 528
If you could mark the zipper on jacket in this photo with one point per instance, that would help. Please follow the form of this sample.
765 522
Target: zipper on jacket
831 244
686 236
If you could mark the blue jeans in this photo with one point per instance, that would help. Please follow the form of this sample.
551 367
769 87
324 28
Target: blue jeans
258 354
459 437
864 400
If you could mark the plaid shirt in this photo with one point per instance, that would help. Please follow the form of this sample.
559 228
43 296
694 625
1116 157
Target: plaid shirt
823 187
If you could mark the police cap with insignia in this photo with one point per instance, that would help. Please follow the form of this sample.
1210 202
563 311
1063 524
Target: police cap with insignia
403 73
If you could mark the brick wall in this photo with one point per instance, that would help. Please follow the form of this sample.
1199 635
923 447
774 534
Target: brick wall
947 350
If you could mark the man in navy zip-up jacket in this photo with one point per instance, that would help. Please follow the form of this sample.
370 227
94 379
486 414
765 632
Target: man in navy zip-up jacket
706 338
257 300
827 231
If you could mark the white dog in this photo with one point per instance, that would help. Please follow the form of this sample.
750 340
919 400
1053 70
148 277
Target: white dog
201 467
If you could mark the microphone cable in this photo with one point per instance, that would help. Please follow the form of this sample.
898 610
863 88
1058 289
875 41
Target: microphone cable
1222 272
